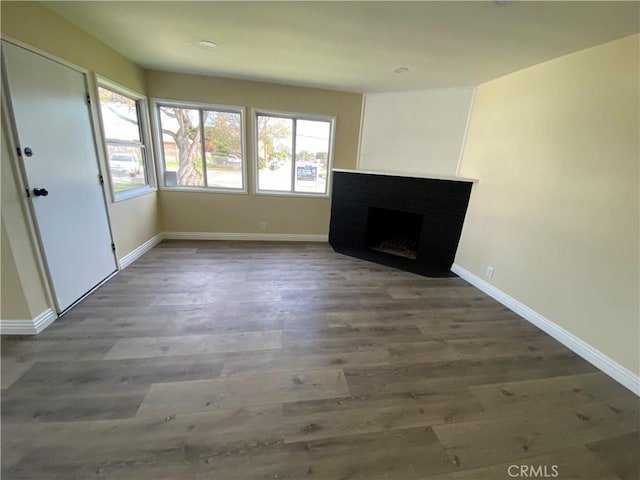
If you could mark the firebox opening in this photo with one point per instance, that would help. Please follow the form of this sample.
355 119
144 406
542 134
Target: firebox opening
394 232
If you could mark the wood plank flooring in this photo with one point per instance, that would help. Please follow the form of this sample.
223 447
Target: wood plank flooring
249 360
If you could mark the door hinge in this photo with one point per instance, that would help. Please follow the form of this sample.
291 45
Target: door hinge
101 178
28 192
113 247
19 150
88 99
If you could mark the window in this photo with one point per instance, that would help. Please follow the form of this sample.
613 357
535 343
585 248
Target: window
190 133
124 127
293 153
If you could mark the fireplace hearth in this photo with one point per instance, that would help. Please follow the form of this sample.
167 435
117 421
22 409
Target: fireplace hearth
399 246
393 232
410 223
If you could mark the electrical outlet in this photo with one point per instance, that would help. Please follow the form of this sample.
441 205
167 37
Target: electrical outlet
263 226
489 272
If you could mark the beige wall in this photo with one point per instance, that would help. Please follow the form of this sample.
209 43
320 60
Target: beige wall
13 303
22 290
415 132
235 213
39 27
556 212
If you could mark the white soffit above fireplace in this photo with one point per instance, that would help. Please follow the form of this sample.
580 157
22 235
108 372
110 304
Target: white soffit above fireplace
420 131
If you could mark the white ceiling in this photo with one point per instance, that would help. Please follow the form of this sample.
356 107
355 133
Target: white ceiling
352 46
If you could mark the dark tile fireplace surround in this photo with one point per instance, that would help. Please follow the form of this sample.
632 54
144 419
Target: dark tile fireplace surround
410 223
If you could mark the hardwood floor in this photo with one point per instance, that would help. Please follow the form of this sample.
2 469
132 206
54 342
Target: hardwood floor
225 360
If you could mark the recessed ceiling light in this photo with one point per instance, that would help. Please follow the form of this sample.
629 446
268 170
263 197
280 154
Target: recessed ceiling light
400 70
207 44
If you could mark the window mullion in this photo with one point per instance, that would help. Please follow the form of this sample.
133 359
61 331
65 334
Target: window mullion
138 113
145 162
143 150
125 143
204 154
293 156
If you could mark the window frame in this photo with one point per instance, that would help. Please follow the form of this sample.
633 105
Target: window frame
295 117
146 144
156 103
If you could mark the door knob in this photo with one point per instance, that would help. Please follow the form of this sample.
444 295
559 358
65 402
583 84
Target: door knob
40 192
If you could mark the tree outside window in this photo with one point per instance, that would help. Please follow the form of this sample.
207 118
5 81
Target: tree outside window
191 134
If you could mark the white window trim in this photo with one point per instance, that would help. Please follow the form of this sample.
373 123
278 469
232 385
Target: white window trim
297 116
157 136
145 132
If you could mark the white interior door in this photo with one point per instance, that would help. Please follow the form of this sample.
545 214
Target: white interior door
53 123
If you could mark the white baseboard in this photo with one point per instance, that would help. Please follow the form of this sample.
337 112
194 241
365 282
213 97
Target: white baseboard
598 359
132 256
269 237
28 326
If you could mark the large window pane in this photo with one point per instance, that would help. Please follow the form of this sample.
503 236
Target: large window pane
312 154
119 116
293 153
126 165
275 140
181 146
223 149
126 152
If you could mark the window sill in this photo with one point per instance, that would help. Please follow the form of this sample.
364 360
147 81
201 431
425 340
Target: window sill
267 193
204 190
133 193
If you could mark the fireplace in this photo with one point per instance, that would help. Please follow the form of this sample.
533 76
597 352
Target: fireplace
393 232
406 222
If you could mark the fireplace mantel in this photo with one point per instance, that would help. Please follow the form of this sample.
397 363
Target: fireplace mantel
368 208
409 175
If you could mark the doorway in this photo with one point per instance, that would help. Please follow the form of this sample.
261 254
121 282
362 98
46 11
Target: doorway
58 158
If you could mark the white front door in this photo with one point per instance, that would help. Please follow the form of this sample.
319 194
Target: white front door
55 136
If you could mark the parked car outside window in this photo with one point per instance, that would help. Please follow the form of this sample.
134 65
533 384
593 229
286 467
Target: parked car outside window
125 163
